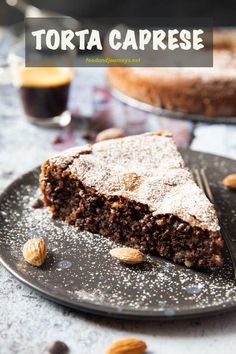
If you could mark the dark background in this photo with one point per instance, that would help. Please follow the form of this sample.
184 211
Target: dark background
223 12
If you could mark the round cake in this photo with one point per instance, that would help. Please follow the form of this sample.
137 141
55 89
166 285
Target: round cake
224 38
203 91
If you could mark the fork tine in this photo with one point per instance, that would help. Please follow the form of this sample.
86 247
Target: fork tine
202 182
198 178
206 185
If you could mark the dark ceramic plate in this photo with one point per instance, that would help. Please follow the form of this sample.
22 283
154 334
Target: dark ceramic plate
170 114
80 273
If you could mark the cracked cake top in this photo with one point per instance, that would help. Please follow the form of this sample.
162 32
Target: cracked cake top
145 168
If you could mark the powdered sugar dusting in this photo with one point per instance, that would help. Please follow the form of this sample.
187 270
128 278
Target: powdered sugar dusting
167 187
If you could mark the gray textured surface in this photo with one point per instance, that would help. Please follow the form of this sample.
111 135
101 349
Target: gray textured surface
28 322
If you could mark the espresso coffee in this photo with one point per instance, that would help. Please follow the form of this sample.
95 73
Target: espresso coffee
44 91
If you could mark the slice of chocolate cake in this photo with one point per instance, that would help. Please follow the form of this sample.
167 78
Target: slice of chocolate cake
135 191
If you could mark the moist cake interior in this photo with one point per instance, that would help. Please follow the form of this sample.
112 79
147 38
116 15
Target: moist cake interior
134 225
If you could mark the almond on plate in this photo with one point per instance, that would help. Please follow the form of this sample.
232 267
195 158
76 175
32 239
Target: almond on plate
111 133
34 251
230 181
127 346
127 255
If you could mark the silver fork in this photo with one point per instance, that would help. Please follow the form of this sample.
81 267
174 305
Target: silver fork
200 178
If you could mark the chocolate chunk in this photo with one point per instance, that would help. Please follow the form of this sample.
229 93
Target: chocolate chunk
89 135
58 347
38 203
57 139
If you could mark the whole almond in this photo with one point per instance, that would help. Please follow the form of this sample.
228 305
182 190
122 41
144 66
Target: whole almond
230 181
34 251
127 346
111 133
127 255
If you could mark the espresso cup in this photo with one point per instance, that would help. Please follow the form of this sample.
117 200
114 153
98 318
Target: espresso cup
44 94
